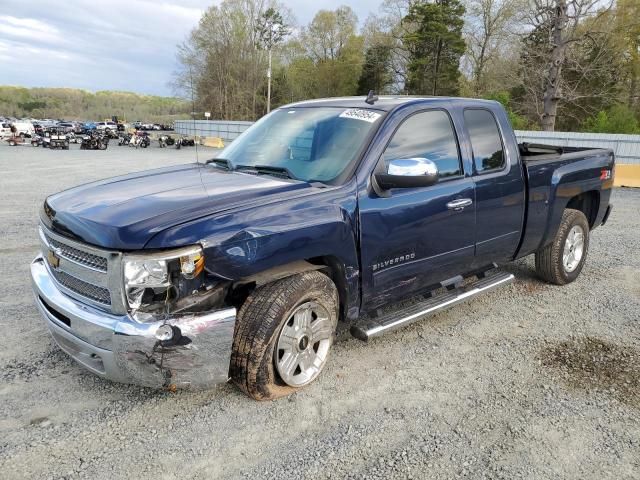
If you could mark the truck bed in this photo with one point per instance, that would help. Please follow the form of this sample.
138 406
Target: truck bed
539 152
555 174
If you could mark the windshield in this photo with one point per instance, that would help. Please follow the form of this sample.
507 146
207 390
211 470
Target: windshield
311 144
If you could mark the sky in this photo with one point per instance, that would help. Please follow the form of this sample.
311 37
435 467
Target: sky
124 45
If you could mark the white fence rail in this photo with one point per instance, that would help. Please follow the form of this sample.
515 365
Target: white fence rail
228 131
626 147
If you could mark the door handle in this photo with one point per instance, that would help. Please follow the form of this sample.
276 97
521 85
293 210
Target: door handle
459 204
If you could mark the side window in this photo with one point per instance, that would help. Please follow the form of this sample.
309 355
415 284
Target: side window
427 135
485 140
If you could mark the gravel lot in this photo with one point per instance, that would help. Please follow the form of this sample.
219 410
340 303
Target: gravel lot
531 381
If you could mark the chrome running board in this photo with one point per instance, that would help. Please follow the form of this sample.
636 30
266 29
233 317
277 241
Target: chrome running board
394 320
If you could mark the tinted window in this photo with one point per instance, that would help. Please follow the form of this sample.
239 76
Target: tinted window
485 140
427 135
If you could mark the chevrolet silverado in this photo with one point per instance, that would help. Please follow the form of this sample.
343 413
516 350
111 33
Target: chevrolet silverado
322 212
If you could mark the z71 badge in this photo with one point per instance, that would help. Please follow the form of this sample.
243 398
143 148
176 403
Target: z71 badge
393 261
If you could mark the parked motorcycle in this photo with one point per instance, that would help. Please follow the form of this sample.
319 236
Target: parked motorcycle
166 140
125 139
140 139
185 142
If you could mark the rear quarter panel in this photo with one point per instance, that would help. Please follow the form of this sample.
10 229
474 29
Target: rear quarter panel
553 183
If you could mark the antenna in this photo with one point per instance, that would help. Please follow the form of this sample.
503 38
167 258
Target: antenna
193 113
371 98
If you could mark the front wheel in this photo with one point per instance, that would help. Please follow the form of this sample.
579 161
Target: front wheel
283 335
562 260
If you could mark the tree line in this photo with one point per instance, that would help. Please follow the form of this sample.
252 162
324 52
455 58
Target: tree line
554 64
76 104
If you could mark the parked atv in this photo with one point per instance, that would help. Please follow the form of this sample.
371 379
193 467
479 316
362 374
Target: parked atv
94 141
37 140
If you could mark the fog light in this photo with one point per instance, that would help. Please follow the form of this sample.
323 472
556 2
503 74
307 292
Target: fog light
164 332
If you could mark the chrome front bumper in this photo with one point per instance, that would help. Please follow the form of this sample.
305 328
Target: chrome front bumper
123 349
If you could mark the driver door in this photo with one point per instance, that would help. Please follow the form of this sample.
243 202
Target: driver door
415 238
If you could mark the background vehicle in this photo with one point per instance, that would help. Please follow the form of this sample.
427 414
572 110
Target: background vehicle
68 126
107 127
184 141
38 129
58 138
165 140
5 130
124 139
319 213
24 128
95 140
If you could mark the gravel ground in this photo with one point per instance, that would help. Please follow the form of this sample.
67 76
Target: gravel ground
531 381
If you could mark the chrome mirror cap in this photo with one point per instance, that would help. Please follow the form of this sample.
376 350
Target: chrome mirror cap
412 167
407 173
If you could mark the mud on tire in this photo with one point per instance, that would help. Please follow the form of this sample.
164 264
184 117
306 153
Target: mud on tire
549 260
258 326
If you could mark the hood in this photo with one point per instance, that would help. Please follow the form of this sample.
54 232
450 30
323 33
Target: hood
123 213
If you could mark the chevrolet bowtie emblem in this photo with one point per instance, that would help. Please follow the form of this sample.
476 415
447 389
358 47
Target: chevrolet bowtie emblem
54 260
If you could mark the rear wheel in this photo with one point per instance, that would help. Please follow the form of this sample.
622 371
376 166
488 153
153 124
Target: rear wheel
284 332
562 260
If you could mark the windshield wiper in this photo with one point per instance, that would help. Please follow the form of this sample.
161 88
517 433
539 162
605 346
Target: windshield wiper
221 162
281 172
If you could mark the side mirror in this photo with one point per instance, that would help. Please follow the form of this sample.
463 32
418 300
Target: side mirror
408 173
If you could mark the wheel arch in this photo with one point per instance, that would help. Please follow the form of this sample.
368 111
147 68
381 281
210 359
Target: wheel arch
329 265
588 203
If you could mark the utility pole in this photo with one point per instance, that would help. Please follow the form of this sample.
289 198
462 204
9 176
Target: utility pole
269 84
271 31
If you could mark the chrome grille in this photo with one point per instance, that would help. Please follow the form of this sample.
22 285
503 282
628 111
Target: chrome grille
87 273
95 293
84 258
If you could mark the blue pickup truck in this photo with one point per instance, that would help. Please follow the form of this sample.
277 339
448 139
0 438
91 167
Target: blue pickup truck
322 212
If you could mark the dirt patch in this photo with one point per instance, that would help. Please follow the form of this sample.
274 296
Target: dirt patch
594 365
530 286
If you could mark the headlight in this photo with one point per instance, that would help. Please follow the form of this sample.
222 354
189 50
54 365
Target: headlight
150 280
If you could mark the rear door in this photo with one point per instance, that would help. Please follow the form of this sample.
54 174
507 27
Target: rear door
416 237
499 186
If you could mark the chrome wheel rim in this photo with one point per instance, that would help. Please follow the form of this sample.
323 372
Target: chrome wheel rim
573 249
303 344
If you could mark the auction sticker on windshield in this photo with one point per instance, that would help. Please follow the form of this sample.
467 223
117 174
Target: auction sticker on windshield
360 114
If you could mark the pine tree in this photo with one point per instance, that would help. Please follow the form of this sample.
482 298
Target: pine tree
376 71
435 45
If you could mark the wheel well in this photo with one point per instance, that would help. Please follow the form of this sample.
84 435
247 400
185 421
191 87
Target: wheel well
330 266
588 203
334 269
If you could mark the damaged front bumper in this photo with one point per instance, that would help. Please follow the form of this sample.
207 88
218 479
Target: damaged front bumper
123 349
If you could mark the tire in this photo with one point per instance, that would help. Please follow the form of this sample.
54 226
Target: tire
551 263
257 357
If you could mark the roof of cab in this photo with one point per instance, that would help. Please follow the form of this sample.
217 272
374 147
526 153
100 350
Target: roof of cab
385 102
